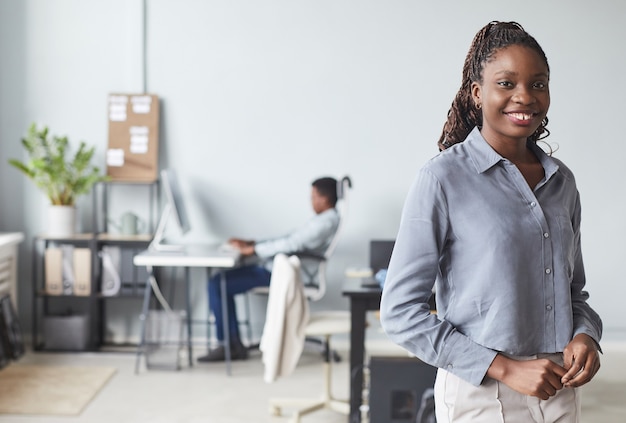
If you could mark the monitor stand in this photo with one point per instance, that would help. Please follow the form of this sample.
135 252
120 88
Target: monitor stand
157 243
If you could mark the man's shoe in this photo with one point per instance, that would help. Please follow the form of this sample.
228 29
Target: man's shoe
218 354
237 352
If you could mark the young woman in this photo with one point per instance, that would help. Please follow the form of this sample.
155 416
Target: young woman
493 224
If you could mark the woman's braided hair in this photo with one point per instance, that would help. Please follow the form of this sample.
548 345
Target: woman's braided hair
463 115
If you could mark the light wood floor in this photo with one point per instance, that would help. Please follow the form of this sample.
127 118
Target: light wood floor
205 394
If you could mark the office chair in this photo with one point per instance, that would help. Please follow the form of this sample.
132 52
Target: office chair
288 322
321 324
314 279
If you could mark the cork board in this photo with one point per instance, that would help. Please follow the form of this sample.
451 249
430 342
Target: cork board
132 154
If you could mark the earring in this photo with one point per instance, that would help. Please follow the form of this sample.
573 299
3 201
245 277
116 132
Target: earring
479 105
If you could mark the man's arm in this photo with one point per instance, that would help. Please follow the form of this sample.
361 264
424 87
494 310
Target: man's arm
312 236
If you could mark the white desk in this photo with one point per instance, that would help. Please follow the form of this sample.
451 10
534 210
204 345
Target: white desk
206 256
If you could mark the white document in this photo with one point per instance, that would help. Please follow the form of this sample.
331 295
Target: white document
115 157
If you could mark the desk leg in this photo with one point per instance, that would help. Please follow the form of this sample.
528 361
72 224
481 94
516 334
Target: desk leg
143 317
225 321
357 356
188 301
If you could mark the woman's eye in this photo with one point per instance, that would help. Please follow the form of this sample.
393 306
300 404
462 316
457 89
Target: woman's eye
540 85
506 84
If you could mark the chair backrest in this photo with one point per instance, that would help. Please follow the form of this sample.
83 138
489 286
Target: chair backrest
315 287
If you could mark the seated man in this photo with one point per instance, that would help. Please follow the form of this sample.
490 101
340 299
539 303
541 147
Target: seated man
313 237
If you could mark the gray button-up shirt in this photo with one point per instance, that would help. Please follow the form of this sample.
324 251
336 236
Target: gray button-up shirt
504 259
313 237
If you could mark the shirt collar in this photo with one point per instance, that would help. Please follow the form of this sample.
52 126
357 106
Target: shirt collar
485 157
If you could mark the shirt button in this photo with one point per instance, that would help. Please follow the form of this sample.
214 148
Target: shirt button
548 271
546 235
449 366
548 307
533 204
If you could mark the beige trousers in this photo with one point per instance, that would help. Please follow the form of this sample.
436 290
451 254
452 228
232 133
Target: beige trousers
493 402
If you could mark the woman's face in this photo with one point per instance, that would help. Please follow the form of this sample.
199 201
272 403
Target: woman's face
514 94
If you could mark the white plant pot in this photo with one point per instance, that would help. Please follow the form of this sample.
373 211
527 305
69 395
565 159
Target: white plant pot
61 221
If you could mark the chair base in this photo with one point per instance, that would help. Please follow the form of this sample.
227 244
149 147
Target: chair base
304 406
317 343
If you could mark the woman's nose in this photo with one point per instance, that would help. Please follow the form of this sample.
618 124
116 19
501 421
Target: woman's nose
523 95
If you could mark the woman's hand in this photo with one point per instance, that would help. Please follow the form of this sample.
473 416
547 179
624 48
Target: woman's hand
538 378
581 358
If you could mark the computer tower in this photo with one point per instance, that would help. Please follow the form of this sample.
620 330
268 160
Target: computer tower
401 390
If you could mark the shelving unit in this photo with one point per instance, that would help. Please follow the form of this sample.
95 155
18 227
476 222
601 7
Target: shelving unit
101 195
46 305
50 309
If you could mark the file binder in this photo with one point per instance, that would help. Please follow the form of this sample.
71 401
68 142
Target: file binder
54 271
82 271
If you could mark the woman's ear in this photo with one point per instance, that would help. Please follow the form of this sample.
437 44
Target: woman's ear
476 91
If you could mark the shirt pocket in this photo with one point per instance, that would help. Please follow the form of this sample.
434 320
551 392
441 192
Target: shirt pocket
567 245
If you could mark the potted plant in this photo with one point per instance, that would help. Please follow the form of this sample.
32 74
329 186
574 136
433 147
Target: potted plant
61 176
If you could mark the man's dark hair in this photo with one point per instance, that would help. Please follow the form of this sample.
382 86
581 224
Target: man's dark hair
327 187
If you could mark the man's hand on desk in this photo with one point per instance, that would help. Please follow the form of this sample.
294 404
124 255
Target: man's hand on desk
245 247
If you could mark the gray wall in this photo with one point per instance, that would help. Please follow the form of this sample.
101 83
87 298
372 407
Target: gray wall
259 98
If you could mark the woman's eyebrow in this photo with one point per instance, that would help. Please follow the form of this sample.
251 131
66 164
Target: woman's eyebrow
506 72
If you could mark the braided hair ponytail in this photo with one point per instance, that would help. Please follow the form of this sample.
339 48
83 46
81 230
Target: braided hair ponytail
464 115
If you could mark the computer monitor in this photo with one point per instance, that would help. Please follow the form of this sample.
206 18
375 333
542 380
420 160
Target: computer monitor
175 205
380 254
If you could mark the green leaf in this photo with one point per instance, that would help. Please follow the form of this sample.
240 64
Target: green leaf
61 176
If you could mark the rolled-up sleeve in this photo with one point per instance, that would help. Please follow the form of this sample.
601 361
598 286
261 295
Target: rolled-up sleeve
586 320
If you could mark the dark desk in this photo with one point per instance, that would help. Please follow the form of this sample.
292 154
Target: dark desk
364 296
362 299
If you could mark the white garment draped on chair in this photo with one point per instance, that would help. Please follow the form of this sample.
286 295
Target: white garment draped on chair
286 319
